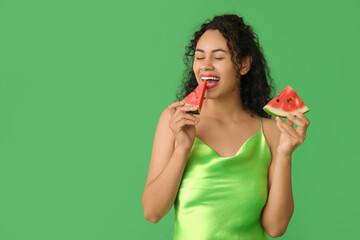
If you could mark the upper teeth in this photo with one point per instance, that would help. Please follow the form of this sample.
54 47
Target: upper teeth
212 78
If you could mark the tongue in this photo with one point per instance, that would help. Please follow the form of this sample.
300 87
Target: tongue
211 82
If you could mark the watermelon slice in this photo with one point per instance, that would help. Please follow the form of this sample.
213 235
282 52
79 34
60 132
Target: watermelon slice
286 102
196 97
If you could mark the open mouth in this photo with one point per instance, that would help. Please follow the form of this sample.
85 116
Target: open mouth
211 81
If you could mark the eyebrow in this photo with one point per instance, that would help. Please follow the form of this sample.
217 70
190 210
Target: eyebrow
215 50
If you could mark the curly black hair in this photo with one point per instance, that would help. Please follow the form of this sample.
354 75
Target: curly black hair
256 86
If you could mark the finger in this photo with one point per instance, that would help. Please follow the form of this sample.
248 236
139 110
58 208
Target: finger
301 130
289 122
186 122
286 128
180 111
195 116
302 117
172 107
182 115
187 108
285 131
297 121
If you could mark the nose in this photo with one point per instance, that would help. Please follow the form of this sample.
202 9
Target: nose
207 64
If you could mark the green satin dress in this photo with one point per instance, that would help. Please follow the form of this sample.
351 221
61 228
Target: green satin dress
221 198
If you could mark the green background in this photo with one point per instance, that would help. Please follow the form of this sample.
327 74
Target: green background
83 83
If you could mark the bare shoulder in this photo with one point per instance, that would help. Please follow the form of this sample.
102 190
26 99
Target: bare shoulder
271 133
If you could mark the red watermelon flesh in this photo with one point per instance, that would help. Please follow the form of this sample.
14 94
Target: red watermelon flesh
286 102
196 97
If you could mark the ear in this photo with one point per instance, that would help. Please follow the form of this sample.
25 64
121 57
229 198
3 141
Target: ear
246 65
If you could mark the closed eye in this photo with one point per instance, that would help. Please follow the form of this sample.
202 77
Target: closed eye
215 58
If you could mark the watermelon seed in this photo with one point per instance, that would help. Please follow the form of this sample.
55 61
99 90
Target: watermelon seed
277 100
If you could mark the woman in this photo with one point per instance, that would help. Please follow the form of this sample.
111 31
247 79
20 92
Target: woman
227 171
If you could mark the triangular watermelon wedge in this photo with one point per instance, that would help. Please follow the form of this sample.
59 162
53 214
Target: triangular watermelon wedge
196 97
286 102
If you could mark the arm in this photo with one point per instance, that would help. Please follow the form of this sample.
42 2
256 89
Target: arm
159 195
279 208
165 172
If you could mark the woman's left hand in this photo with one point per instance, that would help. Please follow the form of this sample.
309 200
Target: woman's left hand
290 137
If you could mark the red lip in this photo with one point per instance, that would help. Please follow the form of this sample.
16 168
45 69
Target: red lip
209 87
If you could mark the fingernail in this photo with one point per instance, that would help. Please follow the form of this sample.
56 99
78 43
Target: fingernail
181 102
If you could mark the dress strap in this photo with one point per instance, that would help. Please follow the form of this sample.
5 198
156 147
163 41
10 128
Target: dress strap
261 122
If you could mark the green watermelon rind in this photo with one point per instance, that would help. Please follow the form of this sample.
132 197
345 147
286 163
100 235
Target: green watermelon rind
196 112
277 112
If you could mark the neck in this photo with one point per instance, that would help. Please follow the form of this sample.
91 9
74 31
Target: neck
227 109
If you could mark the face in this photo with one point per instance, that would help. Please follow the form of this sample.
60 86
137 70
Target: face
212 57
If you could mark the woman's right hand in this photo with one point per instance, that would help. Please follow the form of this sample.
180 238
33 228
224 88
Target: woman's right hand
183 124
